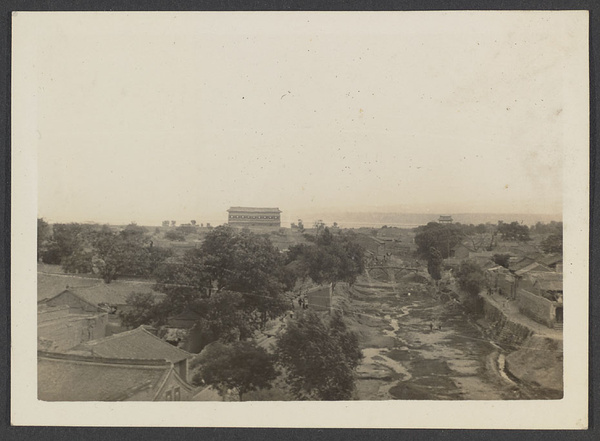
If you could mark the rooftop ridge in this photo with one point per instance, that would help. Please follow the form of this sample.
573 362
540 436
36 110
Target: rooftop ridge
270 209
149 363
91 343
83 299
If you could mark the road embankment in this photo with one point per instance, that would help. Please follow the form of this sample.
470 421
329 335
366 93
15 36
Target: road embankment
534 356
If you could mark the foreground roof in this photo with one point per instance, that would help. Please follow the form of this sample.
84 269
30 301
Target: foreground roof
138 344
68 377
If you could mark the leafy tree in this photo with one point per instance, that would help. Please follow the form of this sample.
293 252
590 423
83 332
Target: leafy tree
71 246
224 318
319 225
301 225
319 358
330 258
173 223
514 231
193 222
546 229
501 259
123 252
144 310
228 261
165 223
242 366
471 278
441 237
434 264
43 235
247 263
553 243
184 279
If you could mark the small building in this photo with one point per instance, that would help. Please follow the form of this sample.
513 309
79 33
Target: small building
373 246
443 219
111 298
61 327
73 377
138 344
248 217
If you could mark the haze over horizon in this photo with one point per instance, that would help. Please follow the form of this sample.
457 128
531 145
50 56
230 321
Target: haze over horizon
149 117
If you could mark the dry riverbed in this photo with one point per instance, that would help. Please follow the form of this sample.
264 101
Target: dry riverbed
406 359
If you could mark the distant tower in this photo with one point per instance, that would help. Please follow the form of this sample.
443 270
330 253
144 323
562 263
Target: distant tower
445 219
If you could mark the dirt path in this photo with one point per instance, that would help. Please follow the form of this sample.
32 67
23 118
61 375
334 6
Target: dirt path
406 359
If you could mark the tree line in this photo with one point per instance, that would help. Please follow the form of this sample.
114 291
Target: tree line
234 283
436 241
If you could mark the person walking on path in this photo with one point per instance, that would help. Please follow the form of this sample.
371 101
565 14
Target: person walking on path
431 326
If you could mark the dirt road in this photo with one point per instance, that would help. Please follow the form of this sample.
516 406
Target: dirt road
417 347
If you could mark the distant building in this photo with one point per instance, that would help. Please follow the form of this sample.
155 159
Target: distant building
445 219
245 217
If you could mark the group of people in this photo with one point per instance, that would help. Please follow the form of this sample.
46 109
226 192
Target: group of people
302 302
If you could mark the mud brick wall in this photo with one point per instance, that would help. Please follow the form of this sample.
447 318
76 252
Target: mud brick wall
65 332
536 307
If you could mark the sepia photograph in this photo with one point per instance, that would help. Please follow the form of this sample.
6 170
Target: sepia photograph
314 219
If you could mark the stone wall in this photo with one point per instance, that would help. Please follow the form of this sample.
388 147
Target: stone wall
502 329
536 307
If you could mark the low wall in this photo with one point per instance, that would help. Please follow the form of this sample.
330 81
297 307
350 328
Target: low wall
535 360
536 308
502 329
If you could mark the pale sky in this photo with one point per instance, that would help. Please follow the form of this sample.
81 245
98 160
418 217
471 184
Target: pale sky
151 116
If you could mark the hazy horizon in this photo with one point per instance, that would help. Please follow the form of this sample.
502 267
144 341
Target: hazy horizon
147 117
354 219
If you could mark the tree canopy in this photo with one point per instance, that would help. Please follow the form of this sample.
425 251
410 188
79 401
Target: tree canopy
330 258
234 281
319 357
436 236
514 231
470 277
553 243
87 248
242 366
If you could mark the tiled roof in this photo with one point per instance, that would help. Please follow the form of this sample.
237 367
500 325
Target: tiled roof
138 344
533 267
67 377
551 259
92 290
69 292
255 209
549 281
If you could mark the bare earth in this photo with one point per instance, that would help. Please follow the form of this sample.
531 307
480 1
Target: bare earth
405 359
